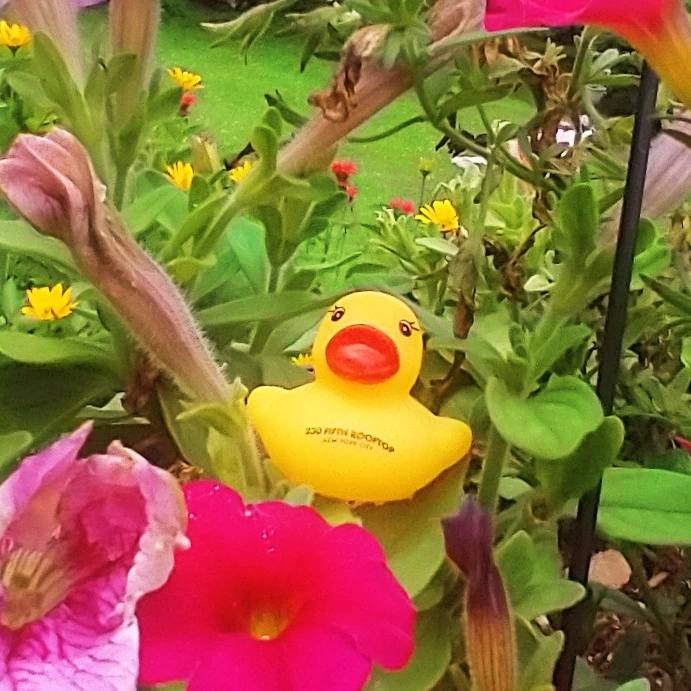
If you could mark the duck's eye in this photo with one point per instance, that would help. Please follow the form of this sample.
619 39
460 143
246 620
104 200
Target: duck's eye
337 313
406 328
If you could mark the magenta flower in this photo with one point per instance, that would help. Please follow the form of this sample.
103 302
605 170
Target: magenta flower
271 598
659 29
81 539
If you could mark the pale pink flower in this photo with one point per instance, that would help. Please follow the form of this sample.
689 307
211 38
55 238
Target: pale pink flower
81 540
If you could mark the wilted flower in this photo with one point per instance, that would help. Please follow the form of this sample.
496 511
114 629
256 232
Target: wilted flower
659 29
50 181
405 206
14 35
187 81
270 596
489 636
180 174
240 172
343 169
49 304
81 540
440 213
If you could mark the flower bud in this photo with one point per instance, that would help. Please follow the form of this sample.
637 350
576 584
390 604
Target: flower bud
133 29
50 181
58 20
489 634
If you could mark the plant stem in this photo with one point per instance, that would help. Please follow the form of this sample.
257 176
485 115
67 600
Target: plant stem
264 328
120 186
497 452
463 142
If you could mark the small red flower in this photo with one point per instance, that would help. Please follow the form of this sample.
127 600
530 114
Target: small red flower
343 169
405 206
351 191
682 443
187 100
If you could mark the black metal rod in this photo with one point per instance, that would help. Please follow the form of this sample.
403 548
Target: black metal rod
575 619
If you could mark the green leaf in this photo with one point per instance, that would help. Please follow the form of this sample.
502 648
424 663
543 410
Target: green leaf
647 506
434 632
635 685
549 424
410 531
682 301
546 349
653 253
571 477
438 245
537 655
59 86
266 307
250 25
44 401
578 220
30 349
532 574
120 71
143 212
12 446
19 237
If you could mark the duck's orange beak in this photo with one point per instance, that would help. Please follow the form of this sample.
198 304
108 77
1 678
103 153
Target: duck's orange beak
362 353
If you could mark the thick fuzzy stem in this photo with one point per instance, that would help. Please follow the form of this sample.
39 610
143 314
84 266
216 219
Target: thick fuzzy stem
50 181
363 86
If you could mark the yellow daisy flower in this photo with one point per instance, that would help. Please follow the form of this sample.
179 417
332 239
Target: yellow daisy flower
49 304
240 172
180 174
303 360
187 81
440 213
14 35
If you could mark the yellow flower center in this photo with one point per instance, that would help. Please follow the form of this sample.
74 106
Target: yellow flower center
187 81
268 624
33 582
239 173
14 35
49 304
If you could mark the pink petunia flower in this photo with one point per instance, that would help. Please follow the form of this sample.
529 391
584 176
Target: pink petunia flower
81 539
659 29
405 206
271 598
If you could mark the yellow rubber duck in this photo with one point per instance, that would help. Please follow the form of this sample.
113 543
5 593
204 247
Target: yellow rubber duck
355 433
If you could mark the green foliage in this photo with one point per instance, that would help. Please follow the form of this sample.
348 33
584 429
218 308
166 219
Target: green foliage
550 424
646 505
410 531
434 633
530 567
